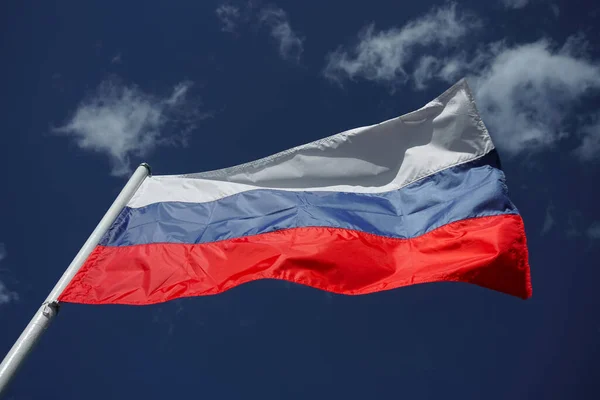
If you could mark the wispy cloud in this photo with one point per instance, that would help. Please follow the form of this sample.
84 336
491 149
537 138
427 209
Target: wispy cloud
229 15
548 220
290 43
593 231
429 68
589 135
6 296
574 223
515 4
2 251
116 59
384 56
121 121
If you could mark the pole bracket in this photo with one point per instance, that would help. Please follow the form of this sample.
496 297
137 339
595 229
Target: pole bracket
50 307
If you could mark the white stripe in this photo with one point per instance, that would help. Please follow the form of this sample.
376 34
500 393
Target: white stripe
373 159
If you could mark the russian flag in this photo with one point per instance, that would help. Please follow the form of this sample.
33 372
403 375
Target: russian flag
415 199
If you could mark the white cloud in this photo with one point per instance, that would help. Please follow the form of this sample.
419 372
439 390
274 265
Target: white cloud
515 4
229 15
525 93
425 71
122 122
548 220
589 134
179 92
116 59
429 68
290 44
384 56
6 296
594 230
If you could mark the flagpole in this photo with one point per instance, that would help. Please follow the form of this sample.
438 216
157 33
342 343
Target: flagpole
49 309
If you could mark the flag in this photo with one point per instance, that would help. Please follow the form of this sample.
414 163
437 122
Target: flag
419 198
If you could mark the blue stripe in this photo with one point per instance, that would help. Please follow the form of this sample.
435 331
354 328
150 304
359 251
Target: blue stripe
470 190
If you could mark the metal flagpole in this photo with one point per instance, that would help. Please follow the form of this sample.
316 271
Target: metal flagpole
49 309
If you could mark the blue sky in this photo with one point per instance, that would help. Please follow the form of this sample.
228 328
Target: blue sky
91 89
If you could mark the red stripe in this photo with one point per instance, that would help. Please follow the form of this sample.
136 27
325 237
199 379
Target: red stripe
488 251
